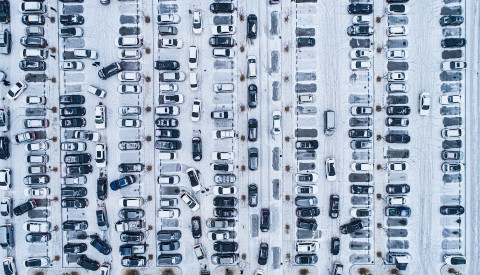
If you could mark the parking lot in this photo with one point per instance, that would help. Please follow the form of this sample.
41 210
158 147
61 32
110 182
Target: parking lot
250 136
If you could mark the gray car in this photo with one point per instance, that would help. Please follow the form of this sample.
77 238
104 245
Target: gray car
169 259
168 246
306 201
169 235
253 159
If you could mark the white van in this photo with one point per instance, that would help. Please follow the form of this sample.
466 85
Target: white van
252 67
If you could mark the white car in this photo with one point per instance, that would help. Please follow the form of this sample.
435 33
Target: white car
424 105
162 179
361 19
191 202
330 172
169 88
394 200
361 212
306 178
72 66
277 117
129 76
169 213
223 155
16 90
397 30
453 65
224 52
397 87
361 54
193 57
129 89
360 65
5 182
37 192
451 133
197 103
36 227
309 98
84 53
129 42
36 146
397 76
32 99
129 123
130 202
167 18
35 123
397 166
223 87
170 43
397 54
129 110
223 29
96 91
167 110
306 190
100 119
193 81
101 155
220 134
251 67
129 54
224 190
34 54
36 158
362 167
219 235
306 247
172 77
222 115
197 23
167 156
450 99
74 180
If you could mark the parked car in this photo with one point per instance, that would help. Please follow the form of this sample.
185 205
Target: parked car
351 227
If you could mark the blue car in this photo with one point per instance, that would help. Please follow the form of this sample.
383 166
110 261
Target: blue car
123 182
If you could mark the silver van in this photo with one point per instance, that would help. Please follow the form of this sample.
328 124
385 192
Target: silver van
329 122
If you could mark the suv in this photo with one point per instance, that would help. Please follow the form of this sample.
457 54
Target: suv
110 70
252 26
265 220
351 227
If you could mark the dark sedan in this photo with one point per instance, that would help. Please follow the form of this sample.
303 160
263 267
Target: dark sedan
75 203
309 212
88 263
73 122
306 259
397 189
351 227
225 201
452 210
225 246
360 8
24 207
167 65
398 110
33 42
32 65
100 245
397 138
196 227
110 70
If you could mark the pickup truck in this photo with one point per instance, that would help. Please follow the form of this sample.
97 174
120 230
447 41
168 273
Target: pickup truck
126 225
132 249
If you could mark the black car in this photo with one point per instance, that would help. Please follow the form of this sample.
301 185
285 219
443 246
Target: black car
252 195
71 99
225 247
193 176
73 111
398 110
252 129
306 144
100 245
168 246
397 189
221 41
87 263
309 224
169 235
305 42
71 19
308 212
222 8
38 237
351 227
265 220
263 254
453 42
334 209
197 148
4 148
74 192
32 65
33 19
131 214
360 133
74 225
397 138
75 203
451 20
196 227
306 259
335 246
130 167
132 236
360 8
77 158
452 210
73 122
396 121
252 96
33 42
225 201
166 122
167 65
110 70
4 11
225 212
78 169
252 26
74 248
168 144
102 188
24 207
